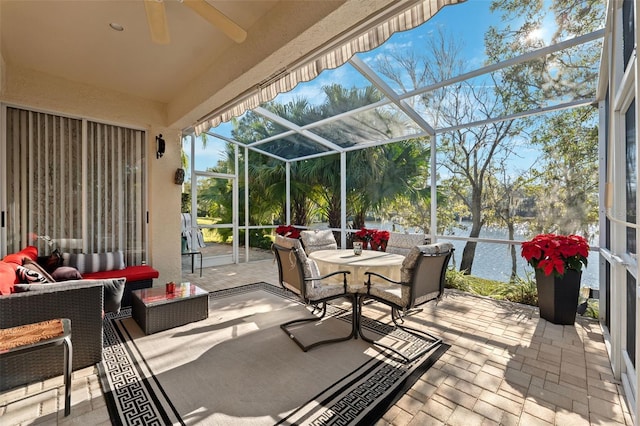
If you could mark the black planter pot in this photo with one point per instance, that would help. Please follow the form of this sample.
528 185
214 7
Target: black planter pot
558 296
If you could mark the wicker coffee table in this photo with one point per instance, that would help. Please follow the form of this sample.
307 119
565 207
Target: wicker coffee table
154 309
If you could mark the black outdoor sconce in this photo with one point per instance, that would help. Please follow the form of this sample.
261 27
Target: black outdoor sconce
160 144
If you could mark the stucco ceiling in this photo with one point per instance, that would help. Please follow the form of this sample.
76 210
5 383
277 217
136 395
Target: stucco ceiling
73 39
197 71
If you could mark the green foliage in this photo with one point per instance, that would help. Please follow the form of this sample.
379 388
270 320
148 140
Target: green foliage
477 163
458 280
568 172
376 175
521 290
186 202
593 309
259 238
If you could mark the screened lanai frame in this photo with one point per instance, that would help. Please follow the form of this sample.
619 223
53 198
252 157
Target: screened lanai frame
618 272
318 145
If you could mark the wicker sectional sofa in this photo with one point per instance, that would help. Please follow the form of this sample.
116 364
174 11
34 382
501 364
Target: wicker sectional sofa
81 302
92 266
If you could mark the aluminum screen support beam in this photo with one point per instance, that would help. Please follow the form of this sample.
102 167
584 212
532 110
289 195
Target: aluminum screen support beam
343 200
288 190
246 200
380 84
434 192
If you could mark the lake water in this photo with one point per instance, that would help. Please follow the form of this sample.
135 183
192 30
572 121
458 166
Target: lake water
492 260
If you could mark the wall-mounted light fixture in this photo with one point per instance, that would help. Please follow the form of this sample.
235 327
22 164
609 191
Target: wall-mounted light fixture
179 177
159 146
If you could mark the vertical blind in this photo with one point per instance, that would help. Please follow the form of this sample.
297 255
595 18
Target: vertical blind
85 193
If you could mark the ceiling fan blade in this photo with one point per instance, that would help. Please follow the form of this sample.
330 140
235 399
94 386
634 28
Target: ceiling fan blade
157 20
218 19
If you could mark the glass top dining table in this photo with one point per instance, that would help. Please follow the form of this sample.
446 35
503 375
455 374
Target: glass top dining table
387 264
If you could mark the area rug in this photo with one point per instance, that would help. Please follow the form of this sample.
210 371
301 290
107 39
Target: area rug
237 367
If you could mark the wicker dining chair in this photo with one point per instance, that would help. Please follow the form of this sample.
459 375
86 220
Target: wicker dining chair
300 275
422 280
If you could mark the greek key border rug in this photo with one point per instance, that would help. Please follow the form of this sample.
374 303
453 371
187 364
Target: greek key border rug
237 367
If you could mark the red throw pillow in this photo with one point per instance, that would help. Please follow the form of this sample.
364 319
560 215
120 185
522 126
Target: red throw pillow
8 277
29 252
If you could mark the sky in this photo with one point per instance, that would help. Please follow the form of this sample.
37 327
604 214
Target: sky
467 21
463 17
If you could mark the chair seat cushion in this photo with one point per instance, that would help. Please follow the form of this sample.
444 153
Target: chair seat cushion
393 293
323 291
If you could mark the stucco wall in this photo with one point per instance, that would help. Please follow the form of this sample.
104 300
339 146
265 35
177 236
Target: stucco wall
39 91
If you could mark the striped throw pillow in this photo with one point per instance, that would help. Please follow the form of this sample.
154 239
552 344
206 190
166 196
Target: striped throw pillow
94 262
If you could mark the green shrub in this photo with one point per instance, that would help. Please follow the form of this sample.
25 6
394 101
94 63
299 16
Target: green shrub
456 279
522 290
259 238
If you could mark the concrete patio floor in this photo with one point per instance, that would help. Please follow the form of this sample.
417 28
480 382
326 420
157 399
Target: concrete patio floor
505 366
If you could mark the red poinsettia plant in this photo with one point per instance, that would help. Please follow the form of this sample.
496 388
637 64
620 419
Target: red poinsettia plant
288 231
554 254
380 237
365 234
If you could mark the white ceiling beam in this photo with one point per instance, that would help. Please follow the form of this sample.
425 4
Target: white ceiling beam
383 87
289 125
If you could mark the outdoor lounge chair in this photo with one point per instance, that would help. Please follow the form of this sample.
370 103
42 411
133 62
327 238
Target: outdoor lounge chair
187 229
422 280
300 275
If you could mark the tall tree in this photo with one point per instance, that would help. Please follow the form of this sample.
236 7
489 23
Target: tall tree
468 154
506 193
567 200
566 174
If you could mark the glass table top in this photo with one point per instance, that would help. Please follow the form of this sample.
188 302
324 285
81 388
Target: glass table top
162 295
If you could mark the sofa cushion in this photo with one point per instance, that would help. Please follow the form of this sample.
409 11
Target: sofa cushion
29 252
8 277
30 272
66 273
131 273
94 262
113 290
51 262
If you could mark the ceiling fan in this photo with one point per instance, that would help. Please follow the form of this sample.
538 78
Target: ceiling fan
157 19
